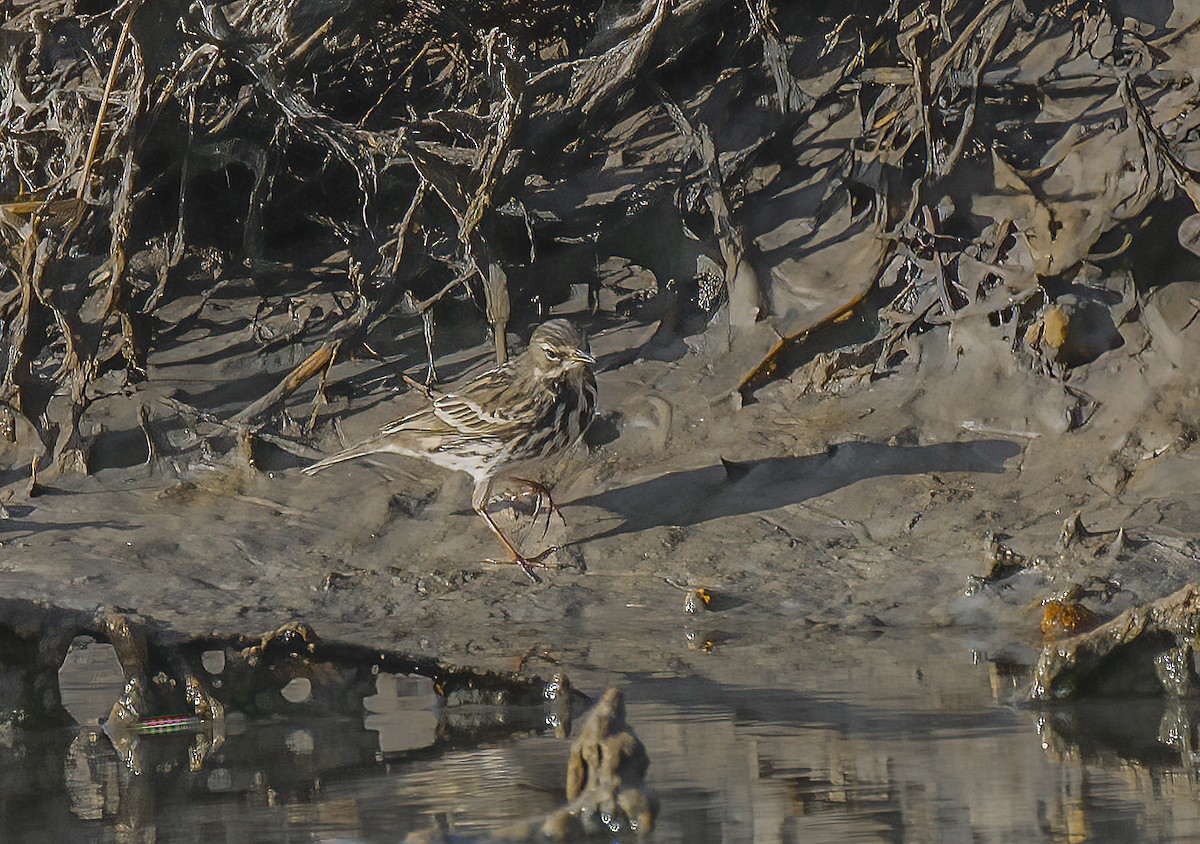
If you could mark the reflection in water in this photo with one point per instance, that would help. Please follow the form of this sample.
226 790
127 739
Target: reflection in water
402 712
879 748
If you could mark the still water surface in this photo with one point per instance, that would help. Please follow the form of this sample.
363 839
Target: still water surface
860 743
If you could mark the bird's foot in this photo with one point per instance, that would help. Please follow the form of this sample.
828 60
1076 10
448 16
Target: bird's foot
528 564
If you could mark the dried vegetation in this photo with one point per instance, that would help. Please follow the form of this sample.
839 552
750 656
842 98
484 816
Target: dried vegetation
909 163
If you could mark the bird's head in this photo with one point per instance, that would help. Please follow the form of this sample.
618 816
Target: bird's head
558 348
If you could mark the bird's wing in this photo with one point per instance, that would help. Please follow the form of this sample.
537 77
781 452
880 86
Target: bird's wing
469 417
422 420
460 413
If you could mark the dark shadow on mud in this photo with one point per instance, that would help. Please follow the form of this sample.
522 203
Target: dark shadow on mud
725 489
21 529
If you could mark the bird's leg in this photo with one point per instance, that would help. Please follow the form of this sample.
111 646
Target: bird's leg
527 564
543 494
479 501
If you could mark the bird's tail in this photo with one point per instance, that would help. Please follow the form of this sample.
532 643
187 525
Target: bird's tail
360 450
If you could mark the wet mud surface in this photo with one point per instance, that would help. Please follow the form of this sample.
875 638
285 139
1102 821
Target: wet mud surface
879 510
892 448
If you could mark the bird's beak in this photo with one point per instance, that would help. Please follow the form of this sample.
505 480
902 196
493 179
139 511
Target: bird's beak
580 356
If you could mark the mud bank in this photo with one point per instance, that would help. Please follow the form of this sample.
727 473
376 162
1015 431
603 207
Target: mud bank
874 511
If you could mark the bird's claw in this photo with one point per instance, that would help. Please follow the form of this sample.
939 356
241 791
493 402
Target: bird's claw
543 501
528 564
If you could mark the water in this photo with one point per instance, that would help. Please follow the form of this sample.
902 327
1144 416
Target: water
856 741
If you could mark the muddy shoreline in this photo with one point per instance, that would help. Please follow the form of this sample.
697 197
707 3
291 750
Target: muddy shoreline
806 516
859 628
853 344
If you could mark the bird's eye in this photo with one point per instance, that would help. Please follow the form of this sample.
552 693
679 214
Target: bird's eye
552 354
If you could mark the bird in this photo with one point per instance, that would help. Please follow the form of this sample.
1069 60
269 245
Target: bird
533 406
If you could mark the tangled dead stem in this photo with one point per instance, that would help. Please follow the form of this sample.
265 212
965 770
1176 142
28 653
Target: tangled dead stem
354 175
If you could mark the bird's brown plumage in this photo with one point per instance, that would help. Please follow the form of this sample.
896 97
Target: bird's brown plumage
531 407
